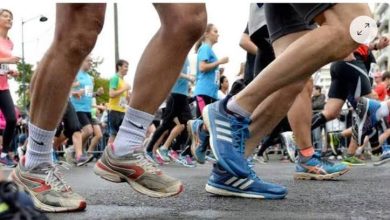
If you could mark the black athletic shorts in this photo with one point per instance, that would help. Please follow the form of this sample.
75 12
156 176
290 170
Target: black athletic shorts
177 106
115 119
349 80
70 122
85 118
283 18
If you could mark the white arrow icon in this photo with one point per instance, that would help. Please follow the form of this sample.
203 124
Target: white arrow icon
363 29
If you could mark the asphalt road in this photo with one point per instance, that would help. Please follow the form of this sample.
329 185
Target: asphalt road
363 193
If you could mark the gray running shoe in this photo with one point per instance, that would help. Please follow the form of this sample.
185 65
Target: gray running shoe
142 175
47 188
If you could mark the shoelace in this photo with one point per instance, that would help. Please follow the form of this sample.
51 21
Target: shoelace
251 162
55 178
322 159
253 175
146 164
240 132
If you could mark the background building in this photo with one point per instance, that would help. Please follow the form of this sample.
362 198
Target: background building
382 15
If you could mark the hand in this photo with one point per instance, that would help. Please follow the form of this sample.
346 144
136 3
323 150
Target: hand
382 43
191 78
13 73
78 94
13 60
223 60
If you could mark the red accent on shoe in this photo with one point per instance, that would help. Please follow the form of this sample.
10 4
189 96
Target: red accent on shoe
138 170
82 206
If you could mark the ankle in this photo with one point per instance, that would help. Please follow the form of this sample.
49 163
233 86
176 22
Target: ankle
306 154
234 107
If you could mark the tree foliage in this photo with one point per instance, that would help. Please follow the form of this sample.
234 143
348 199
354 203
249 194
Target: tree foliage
99 81
27 71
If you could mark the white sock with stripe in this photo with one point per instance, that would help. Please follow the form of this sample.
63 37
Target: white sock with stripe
132 131
39 147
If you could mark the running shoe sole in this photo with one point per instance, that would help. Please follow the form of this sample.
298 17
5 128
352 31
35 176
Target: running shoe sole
312 176
353 164
41 206
223 192
187 165
108 174
381 162
84 162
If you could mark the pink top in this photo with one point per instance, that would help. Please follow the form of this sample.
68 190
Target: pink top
6 47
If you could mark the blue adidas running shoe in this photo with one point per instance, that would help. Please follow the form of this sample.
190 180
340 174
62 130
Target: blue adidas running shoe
318 168
365 120
223 183
227 137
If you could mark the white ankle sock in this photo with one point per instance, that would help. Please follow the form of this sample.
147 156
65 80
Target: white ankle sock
39 147
132 131
233 106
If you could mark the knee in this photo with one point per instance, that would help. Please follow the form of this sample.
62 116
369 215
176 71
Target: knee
76 44
98 134
82 43
77 135
187 24
342 43
336 23
330 115
88 131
